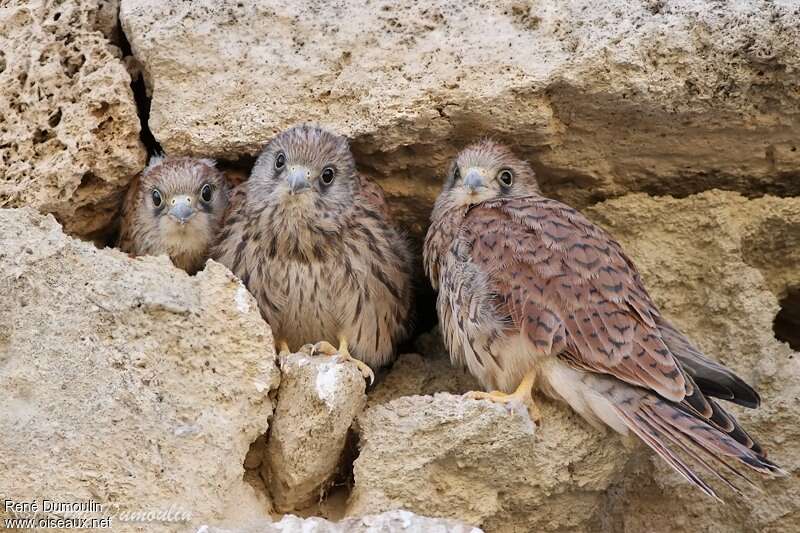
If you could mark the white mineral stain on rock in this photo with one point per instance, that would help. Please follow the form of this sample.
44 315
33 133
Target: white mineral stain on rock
327 383
242 300
186 431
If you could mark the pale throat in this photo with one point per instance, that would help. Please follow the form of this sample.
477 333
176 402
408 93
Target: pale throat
463 197
191 237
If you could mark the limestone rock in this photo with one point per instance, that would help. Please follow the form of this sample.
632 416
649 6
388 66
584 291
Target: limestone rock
317 403
69 129
414 374
480 462
126 381
389 522
605 97
716 264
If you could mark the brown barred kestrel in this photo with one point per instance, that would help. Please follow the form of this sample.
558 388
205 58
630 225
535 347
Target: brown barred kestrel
174 207
533 295
312 241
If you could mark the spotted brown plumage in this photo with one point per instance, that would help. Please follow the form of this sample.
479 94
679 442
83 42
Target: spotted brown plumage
174 207
533 294
313 242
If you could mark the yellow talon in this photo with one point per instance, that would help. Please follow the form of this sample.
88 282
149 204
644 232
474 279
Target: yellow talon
326 348
284 348
521 394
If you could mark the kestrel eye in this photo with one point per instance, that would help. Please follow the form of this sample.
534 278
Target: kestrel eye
456 174
280 161
205 193
327 175
156 195
506 178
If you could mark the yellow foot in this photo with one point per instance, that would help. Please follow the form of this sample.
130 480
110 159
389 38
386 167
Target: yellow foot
326 348
522 394
284 349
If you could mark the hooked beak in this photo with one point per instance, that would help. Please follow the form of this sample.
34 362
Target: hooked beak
474 181
181 209
298 179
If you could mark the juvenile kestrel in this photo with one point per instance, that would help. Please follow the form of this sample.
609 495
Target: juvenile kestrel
533 295
312 241
174 207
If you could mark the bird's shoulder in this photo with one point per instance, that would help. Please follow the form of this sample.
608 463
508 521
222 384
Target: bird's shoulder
542 231
237 202
229 237
443 231
371 196
536 213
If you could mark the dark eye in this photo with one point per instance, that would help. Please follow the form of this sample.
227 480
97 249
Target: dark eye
156 195
456 174
506 178
280 161
205 193
327 175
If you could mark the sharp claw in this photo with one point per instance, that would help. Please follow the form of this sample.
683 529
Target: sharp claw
326 348
535 414
307 349
368 373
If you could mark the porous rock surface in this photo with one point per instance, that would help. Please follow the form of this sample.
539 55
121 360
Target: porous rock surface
416 374
483 463
127 382
389 522
69 128
604 96
317 402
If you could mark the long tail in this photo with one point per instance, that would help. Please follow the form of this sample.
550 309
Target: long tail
714 439
713 378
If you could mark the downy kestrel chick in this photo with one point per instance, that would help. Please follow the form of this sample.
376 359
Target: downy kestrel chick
174 207
534 295
312 241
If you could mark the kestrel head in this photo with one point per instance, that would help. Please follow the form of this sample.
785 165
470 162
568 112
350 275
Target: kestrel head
487 170
305 170
181 201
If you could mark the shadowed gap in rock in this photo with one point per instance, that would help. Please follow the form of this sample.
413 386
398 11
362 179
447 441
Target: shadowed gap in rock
332 503
142 101
787 321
